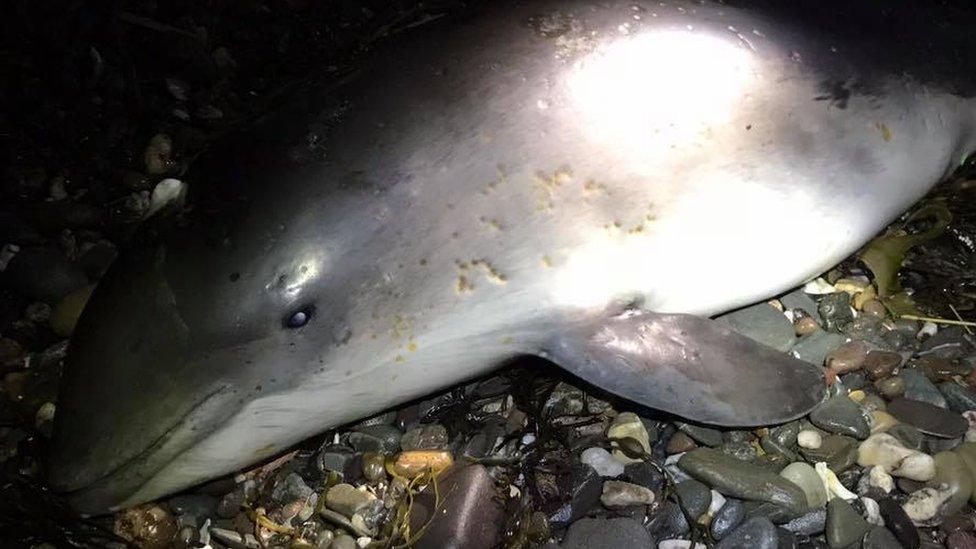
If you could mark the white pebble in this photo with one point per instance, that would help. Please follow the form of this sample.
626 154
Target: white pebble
602 462
879 478
872 512
671 467
718 500
166 191
679 544
832 483
928 330
888 452
923 505
819 286
811 440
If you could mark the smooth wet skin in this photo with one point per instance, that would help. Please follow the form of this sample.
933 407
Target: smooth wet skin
585 181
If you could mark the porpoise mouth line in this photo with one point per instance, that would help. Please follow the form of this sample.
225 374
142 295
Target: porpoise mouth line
155 445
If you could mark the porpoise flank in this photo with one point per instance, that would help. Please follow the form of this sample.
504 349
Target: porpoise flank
584 181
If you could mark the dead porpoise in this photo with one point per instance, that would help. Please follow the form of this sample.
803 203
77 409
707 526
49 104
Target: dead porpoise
584 181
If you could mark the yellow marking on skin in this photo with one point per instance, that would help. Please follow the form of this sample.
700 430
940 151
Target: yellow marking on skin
461 265
593 188
264 450
491 273
463 285
412 346
423 262
398 358
885 132
493 223
508 339
546 261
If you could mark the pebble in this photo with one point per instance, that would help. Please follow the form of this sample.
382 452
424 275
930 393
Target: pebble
885 450
735 478
602 462
832 484
425 437
960 399
628 425
157 156
702 435
763 323
814 348
374 466
755 533
952 473
928 418
844 525
564 400
416 462
805 326
645 475
617 493
961 540
899 523
148 526
837 451
927 507
891 387
236 540
880 538
880 479
381 439
908 435
881 422
469 515
808 524
872 514
336 459
874 308
680 443
835 309
808 439
694 497
346 499
880 364
848 357
806 477
344 541
842 416
727 518
967 453
679 544
42 274
798 299
606 533
918 387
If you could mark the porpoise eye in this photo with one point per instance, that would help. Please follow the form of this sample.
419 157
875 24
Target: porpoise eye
299 318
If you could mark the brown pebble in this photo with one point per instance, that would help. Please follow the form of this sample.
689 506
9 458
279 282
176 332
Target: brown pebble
961 540
939 369
148 526
848 357
806 325
960 522
413 463
874 308
890 388
680 442
880 364
11 352
374 468
68 310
